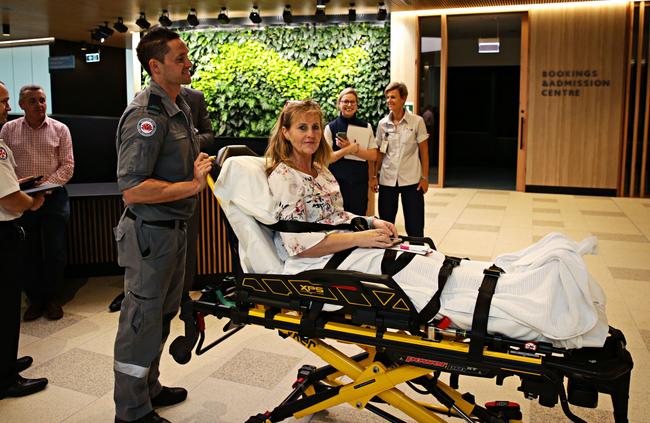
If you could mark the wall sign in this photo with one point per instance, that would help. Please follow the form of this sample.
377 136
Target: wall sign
61 62
571 83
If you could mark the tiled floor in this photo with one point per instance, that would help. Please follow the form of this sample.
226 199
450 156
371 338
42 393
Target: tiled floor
253 371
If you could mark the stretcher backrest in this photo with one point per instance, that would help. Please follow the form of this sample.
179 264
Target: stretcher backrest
245 198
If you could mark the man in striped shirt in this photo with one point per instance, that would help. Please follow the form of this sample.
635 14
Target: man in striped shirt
42 147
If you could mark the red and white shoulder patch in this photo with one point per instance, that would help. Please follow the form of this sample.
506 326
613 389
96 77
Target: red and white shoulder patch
3 153
146 127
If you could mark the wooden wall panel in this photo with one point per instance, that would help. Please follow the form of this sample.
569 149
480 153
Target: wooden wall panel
91 242
90 230
404 54
574 134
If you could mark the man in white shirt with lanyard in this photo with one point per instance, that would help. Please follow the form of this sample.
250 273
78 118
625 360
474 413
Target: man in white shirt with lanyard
403 162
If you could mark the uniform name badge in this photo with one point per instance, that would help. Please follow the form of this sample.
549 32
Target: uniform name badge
388 137
384 146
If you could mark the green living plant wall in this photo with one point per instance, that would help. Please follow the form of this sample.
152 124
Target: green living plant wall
247 75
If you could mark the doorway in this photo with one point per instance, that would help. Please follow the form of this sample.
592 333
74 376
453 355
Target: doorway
481 97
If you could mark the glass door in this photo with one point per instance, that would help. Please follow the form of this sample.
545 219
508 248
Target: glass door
430 88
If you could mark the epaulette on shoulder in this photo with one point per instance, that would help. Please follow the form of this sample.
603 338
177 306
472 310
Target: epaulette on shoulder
155 104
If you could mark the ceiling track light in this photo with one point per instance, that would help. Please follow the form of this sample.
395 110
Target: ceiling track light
223 16
192 20
352 13
164 19
101 33
320 11
142 22
255 15
287 17
382 13
119 25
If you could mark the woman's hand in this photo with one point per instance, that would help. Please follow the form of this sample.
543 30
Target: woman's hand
373 183
423 185
347 146
387 227
342 142
373 238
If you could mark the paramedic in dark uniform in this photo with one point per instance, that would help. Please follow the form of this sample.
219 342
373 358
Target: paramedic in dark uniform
13 202
159 171
203 129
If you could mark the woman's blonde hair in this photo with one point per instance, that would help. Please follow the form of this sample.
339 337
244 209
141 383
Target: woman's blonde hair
347 91
279 149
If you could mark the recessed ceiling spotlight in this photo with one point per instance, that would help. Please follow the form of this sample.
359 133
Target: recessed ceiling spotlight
164 19
255 15
287 17
192 20
119 25
381 12
142 22
223 16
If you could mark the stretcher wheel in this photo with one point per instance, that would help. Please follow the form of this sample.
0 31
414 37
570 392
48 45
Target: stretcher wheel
181 350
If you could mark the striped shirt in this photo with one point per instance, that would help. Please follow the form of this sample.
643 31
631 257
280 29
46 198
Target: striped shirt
46 150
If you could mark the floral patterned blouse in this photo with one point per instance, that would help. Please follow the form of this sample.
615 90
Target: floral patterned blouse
302 197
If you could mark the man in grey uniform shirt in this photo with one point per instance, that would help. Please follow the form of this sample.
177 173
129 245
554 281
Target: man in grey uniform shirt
159 171
203 129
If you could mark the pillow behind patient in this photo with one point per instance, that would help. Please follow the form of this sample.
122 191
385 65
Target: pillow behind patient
243 192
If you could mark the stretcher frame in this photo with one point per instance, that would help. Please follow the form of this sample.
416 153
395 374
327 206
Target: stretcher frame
377 316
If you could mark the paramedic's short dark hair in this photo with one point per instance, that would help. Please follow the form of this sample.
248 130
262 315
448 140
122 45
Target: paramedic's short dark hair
154 46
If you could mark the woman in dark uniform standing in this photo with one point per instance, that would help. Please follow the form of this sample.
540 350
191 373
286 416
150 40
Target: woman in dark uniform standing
350 159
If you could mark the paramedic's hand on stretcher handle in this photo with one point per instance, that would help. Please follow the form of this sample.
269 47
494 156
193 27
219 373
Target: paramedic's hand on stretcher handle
202 166
382 236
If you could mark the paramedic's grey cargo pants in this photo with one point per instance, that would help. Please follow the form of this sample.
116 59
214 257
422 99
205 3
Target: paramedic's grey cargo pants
154 262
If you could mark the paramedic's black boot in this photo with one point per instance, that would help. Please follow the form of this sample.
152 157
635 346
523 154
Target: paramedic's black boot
169 396
152 417
116 304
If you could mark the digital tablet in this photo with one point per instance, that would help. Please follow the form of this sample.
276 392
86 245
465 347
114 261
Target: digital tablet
41 188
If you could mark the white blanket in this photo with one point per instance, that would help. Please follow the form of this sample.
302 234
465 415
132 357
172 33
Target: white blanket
546 293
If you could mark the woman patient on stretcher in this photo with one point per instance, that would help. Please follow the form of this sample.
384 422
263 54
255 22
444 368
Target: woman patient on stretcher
545 294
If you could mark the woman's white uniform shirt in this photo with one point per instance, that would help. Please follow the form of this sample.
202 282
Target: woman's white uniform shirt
399 144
